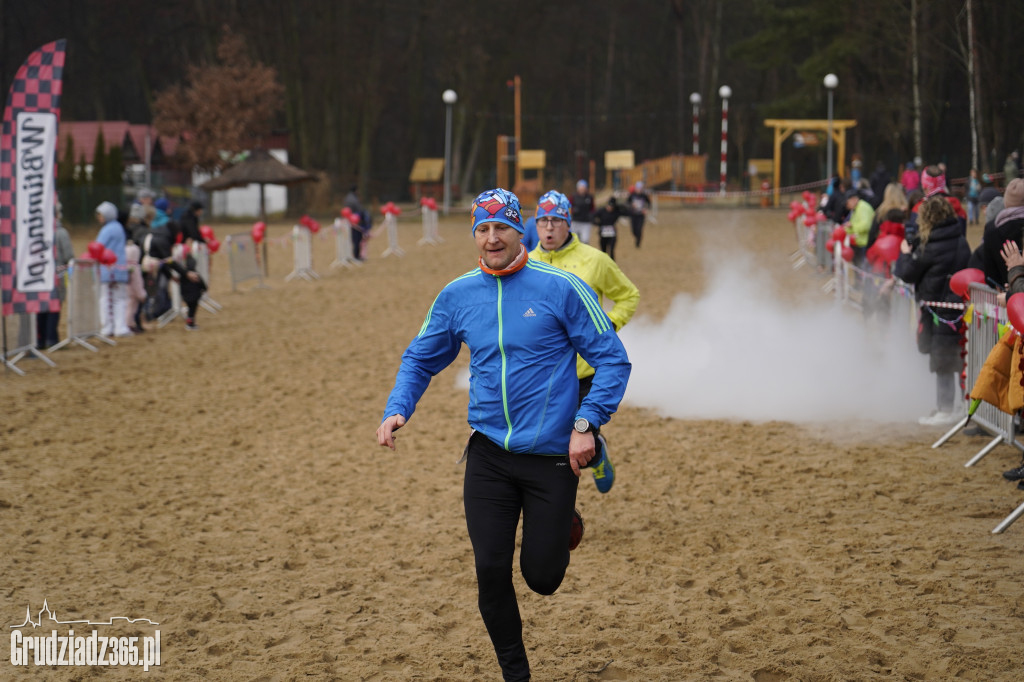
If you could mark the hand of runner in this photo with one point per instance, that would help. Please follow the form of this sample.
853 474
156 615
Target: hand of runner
386 431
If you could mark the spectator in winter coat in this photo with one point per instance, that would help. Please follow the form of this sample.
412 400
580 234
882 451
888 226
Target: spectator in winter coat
582 210
890 214
1005 225
880 180
911 178
136 287
190 222
939 250
861 217
933 182
47 323
114 278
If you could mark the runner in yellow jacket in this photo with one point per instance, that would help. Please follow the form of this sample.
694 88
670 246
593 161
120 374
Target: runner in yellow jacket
563 249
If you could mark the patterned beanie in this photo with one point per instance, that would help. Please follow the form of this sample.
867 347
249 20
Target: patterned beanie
554 204
933 181
497 206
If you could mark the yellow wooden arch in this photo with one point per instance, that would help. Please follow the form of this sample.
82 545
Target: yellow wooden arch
785 127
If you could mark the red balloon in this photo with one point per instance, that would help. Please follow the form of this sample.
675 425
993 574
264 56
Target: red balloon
830 245
810 220
1015 311
258 231
808 197
213 245
839 234
386 208
432 204
847 253
354 218
794 214
95 250
206 231
108 257
888 247
346 213
313 225
395 210
960 281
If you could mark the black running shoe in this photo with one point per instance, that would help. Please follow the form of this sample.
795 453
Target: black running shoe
1014 474
576 533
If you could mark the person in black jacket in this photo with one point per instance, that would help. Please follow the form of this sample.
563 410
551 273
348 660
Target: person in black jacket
605 220
938 251
191 284
1006 223
190 222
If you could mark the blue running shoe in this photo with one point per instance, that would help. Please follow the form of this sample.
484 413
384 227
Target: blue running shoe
604 472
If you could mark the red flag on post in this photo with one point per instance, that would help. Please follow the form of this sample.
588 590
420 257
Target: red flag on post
28 171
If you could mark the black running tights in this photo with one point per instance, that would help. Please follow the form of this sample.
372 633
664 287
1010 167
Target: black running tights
498 486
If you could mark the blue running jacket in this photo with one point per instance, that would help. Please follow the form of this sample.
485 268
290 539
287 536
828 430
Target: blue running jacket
523 331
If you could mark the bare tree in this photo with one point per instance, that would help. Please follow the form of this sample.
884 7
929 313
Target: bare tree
916 71
224 108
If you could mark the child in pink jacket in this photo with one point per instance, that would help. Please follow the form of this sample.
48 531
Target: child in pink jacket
136 287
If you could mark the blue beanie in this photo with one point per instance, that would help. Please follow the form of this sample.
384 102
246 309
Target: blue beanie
554 204
497 206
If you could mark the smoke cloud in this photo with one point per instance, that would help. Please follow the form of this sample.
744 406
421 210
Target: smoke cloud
739 351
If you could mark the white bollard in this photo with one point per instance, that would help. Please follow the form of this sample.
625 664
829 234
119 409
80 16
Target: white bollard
391 226
343 244
430 233
302 249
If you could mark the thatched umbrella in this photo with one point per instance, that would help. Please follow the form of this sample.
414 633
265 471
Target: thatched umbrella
258 168
261 168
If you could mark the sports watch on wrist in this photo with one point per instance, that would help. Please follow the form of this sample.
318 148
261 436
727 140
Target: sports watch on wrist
582 425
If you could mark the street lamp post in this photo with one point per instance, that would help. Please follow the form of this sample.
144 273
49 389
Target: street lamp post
695 101
449 97
831 81
725 92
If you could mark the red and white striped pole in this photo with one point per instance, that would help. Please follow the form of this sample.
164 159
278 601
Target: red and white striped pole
725 92
695 101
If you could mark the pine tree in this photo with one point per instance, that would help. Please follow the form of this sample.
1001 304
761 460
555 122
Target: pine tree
99 162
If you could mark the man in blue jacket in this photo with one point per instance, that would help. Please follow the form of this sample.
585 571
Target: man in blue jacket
524 322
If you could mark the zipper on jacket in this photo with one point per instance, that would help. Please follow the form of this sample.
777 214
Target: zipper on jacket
504 367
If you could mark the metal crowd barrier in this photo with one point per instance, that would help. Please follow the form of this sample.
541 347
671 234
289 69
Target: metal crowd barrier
243 260
201 252
21 342
982 336
177 308
851 286
82 306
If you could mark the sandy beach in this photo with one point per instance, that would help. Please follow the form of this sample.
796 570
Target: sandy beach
227 484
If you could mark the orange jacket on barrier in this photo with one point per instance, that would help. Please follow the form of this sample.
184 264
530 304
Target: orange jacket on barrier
999 381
